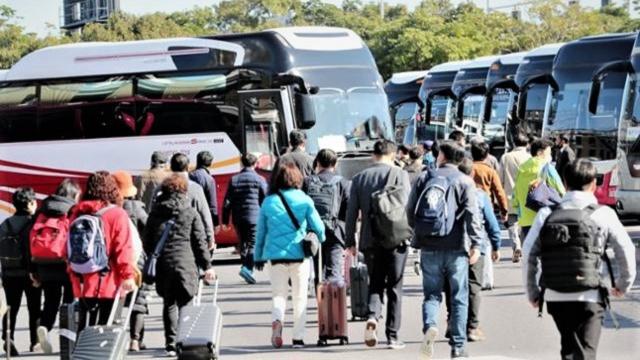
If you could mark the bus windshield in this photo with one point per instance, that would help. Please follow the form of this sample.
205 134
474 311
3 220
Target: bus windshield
500 106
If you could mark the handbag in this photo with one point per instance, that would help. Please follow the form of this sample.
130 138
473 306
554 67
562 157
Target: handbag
310 243
149 271
541 194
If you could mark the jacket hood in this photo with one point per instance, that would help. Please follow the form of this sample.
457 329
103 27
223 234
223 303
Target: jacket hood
89 206
56 205
172 204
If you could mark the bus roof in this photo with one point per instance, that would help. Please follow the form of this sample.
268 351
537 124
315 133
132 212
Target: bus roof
320 38
407 77
448 66
545 50
481 62
110 58
511 59
3 74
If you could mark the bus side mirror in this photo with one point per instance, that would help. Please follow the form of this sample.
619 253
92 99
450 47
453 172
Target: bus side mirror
459 111
594 93
305 111
488 102
427 112
521 109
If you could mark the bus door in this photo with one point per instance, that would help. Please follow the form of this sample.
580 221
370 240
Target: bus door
263 121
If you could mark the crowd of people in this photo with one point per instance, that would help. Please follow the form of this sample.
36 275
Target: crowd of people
453 199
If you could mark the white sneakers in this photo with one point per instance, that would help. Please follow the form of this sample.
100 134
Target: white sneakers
43 339
370 333
426 348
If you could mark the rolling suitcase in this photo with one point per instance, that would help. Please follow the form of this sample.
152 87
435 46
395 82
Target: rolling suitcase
69 314
108 342
332 310
200 328
359 291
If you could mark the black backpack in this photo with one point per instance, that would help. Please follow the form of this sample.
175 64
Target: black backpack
570 254
326 198
12 246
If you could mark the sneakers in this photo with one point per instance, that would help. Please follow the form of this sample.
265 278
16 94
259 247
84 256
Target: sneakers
298 344
170 351
247 275
43 339
476 335
426 348
517 254
459 354
416 267
134 346
370 335
395 344
276 335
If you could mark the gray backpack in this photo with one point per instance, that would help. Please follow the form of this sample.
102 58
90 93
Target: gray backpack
388 213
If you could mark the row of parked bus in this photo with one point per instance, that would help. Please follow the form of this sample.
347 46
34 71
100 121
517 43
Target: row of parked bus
587 89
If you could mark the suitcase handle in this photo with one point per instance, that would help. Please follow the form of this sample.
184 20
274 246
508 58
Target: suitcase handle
114 308
198 298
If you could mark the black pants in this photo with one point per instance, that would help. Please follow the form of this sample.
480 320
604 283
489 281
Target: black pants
332 262
136 326
475 290
14 287
94 312
579 324
247 234
54 293
170 313
386 272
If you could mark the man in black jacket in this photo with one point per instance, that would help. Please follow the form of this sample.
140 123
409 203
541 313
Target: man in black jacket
245 194
297 154
565 154
202 177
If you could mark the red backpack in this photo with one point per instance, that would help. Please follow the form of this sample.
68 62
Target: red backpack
48 239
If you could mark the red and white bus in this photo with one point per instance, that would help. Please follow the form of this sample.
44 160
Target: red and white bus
69 110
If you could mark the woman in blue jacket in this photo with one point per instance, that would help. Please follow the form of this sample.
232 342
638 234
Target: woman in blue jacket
279 242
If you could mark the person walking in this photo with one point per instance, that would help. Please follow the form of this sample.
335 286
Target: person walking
509 165
565 154
448 232
297 154
98 289
487 179
428 160
14 245
385 265
414 166
245 194
279 241
203 177
150 180
53 276
195 195
569 239
330 195
184 254
535 170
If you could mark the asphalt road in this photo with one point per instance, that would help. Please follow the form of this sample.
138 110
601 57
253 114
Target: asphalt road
513 329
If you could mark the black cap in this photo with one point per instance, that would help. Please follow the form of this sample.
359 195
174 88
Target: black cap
159 158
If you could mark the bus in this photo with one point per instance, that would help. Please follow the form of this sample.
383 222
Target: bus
592 136
500 97
469 88
69 110
534 92
402 93
627 193
431 122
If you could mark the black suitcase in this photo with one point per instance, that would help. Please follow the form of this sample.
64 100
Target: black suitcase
359 291
108 342
200 328
69 314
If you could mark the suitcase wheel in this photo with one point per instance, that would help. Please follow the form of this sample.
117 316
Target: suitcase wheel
322 342
344 341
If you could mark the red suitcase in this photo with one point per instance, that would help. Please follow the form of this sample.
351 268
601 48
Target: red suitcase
332 310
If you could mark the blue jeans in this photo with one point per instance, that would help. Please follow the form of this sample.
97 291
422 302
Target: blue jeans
454 267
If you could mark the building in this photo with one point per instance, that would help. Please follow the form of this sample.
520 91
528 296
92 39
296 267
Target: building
75 14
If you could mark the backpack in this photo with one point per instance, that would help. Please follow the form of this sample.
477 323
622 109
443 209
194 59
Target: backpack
11 249
48 239
87 247
388 213
436 208
570 254
326 198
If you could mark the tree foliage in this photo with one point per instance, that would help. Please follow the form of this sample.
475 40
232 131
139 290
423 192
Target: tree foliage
436 31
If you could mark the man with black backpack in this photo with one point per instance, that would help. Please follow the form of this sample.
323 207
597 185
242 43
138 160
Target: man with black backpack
444 213
570 241
330 195
378 195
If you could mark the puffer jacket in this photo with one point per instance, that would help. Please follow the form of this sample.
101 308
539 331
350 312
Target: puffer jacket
54 206
277 238
185 251
245 194
137 213
529 172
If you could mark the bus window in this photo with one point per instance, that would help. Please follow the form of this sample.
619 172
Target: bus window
18 113
403 113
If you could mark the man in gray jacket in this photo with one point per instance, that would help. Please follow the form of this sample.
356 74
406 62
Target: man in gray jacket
578 315
447 258
385 266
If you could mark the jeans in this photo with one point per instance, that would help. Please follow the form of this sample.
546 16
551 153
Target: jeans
332 262
475 290
514 231
14 287
55 293
386 274
94 312
453 267
136 326
579 324
247 234
280 274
